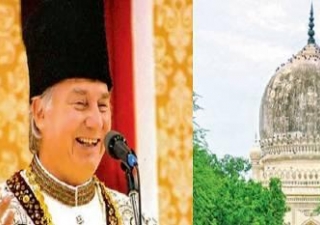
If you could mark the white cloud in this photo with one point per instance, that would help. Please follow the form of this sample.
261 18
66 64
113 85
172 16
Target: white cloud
254 50
271 15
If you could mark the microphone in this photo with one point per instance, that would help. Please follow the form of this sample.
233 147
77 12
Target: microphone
116 146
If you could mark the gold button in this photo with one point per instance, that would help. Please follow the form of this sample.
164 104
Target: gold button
26 199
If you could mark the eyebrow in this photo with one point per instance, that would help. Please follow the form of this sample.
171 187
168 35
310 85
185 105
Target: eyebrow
80 91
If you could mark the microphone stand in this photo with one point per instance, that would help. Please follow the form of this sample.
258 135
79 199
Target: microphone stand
134 194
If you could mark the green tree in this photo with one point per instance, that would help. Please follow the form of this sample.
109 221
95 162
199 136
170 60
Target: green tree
223 196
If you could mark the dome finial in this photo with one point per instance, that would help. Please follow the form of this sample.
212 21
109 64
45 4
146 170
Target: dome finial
311 25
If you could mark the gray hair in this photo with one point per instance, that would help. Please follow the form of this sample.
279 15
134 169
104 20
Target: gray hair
34 132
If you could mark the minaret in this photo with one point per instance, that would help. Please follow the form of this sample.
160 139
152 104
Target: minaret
311 25
255 155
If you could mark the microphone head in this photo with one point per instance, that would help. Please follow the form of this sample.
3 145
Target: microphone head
110 141
116 146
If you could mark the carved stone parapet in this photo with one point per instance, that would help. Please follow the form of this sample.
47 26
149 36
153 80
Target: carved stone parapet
302 199
301 151
290 139
294 176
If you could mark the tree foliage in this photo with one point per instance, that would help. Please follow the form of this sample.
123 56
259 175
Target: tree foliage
222 195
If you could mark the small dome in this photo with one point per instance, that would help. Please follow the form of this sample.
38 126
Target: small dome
290 105
255 153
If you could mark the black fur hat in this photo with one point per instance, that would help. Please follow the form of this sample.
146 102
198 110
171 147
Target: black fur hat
65 39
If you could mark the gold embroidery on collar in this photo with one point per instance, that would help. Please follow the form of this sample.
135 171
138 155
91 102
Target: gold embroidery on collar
112 211
58 191
32 200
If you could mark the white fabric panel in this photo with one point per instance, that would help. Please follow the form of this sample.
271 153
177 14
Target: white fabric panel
144 84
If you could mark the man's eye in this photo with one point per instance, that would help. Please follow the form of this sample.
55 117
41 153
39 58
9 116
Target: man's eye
80 105
103 107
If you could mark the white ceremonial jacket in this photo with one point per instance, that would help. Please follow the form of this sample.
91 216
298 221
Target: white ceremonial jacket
93 213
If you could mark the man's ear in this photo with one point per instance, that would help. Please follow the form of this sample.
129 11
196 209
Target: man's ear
37 111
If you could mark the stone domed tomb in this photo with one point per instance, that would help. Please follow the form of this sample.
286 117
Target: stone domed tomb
290 133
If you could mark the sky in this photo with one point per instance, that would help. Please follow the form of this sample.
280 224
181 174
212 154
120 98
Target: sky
238 44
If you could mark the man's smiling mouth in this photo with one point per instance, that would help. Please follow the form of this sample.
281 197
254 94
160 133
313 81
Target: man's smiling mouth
88 141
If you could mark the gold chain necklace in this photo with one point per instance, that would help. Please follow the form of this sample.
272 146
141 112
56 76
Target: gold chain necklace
37 192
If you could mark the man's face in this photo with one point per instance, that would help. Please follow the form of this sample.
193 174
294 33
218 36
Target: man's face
74 127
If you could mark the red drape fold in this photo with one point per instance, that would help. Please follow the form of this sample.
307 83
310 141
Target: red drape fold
119 36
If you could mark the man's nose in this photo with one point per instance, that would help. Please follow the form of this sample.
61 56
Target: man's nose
94 118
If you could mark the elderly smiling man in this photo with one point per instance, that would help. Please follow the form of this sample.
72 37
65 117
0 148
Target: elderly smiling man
70 115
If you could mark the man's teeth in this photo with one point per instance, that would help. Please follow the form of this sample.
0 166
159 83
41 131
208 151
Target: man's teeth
89 141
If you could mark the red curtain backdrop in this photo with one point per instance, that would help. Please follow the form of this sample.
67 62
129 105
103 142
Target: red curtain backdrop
118 27
119 40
